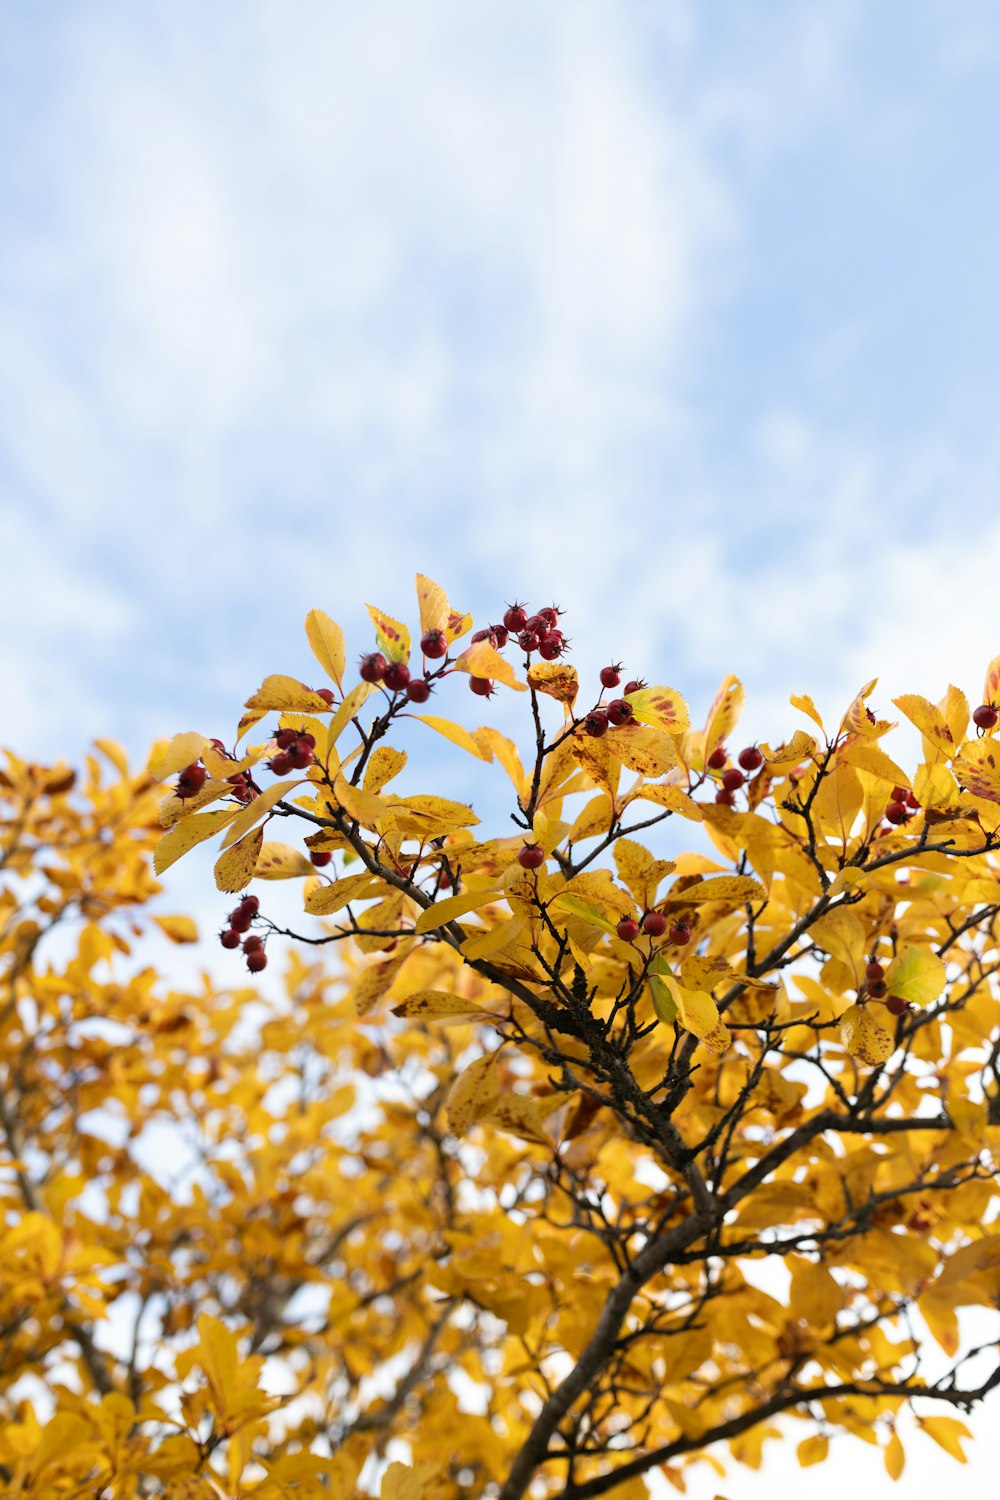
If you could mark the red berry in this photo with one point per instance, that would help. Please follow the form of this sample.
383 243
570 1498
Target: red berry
373 666
251 903
611 676
482 686
191 780
985 716
550 614
550 647
876 988
242 790
726 797
899 794
596 723
327 695
281 763
750 758
897 812
874 972
912 802
397 675
635 686
733 779
418 690
306 738
434 644
717 759
896 1005
628 929
300 755
515 618
256 961
499 634
321 857
230 938
654 924
531 856
529 640
240 919
285 738
680 933
486 635
253 944
619 711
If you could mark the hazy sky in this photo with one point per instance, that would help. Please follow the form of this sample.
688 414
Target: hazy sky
683 315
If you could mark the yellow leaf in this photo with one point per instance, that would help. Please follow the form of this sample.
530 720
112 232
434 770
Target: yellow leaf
178 929
234 869
859 718
183 750
455 732
517 1114
596 761
934 786
494 745
436 613
661 707
675 798
895 1457
938 1311
286 694
443 912
724 713
584 909
981 1255
929 720
483 660
917 975
373 981
257 809
991 684
495 940
812 1450
947 1432
472 1093
348 710
804 703
863 1037
393 638
327 642
187 833
977 768
326 899
786 757
385 764
842 935
282 862
696 1011
367 808
734 890
648 751
864 755
436 1005
558 679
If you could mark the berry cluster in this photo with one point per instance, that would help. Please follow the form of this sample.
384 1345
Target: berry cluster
240 920
619 711
654 924
875 987
395 675
295 751
535 633
901 805
749 759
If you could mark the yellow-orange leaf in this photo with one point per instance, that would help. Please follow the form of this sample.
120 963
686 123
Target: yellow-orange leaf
432 602
787 756
323 900
286 693
724 713
804 703
456 733
436 1005
895 1457
257 809
327 642
483 660
282 862
735 890
948 1433
864 1037
187 833
556 678
859 718
812 1450
981 1255
646 750
367 808
453 907
866 756
929 719
178 929
472 1093
991 685
661 707
182 751
977 767
234 869
393 638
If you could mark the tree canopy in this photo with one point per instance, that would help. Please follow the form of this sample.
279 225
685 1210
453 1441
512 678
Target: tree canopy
603 1138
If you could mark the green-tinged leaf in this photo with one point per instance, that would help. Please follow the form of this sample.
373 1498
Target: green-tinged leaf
393 639
661 707
917 975
584 909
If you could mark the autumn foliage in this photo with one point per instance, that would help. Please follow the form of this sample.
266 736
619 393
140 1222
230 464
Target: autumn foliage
638 1132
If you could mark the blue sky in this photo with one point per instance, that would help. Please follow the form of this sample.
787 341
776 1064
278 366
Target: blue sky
683 315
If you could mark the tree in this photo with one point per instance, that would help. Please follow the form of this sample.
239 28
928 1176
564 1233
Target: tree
581 1162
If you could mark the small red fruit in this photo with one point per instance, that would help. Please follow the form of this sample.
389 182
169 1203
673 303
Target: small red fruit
726 797
750 758
482 686
256 961
654 924
486 634
551 645
281 763
242 790
874 972
230 938
434 644
321 857
285 738
251 904
300 755
550 614
876 988
680 933
611 676
191 780
373 667
733 779
619 711
985 716
635 686
499 634
515 618
912 802
253 944
397 675
628 929
717 759
896 1005
327 694
897 812
418 690
240 919
529 640
531 856
596 723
